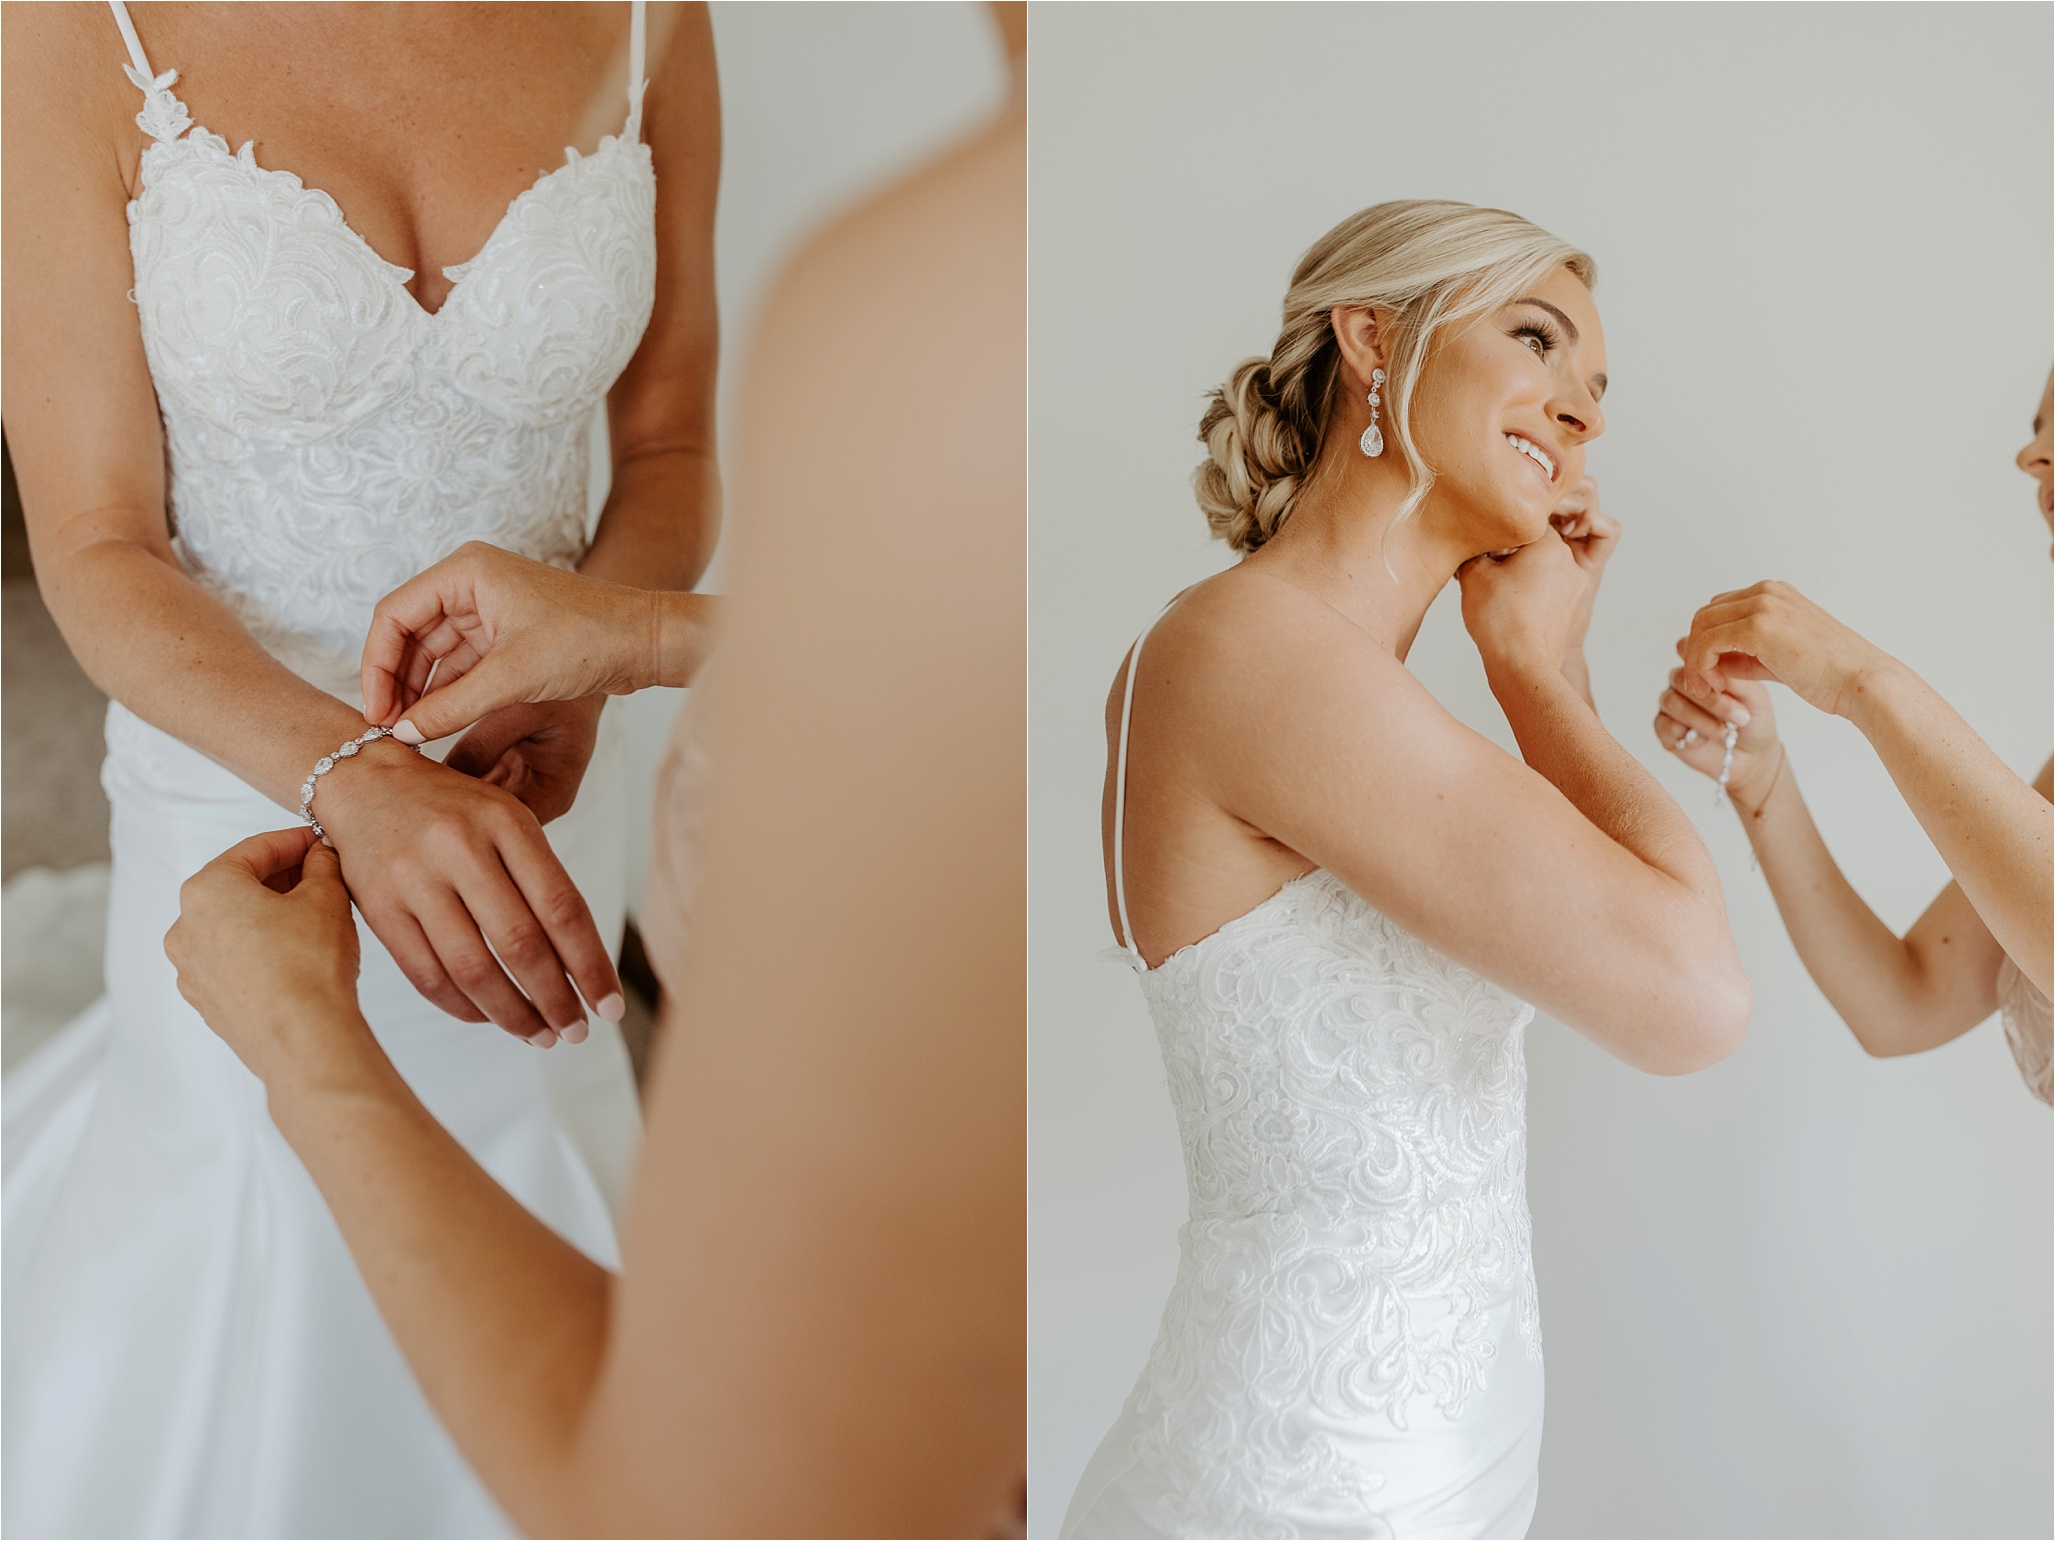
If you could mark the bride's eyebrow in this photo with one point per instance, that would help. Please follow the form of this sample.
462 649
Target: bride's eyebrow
1568 325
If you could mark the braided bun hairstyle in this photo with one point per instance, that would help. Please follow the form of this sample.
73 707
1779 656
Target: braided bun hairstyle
1433 263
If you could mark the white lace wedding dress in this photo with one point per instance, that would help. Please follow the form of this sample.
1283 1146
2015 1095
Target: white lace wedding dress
188 1347
1353 1343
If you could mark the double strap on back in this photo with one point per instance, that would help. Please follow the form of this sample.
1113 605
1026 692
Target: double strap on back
1127 703
164 117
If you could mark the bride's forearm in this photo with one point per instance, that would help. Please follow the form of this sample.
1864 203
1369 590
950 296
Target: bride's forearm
1578 672
1993 829
163 647
662 520
1561 737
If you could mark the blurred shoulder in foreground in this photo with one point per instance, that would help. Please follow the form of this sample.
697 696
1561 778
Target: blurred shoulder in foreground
839 1102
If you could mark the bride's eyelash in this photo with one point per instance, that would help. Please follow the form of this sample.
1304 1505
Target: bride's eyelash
1551 339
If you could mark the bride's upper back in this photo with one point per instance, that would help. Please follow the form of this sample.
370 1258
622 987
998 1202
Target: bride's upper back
1207 717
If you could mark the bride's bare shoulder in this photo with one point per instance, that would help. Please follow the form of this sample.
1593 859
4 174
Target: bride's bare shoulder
1230 647
67 103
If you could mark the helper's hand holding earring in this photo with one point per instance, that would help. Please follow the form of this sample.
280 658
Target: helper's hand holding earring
1772 632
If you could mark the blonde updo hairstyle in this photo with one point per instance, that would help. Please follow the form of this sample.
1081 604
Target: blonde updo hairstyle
1433 264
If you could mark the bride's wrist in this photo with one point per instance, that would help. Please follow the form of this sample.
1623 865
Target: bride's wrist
1521 673
347 788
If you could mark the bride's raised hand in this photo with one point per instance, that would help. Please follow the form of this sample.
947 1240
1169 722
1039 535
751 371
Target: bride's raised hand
1770 631
1590 532
456 878
1524 608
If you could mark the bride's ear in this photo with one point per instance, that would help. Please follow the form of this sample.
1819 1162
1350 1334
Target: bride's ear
1359 331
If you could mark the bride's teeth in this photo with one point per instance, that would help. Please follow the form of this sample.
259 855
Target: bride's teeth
1532 452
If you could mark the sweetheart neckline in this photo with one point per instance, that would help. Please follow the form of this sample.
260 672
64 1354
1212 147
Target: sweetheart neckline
456 273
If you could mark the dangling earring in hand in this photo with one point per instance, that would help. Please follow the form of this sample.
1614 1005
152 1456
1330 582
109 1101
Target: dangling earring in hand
1372 442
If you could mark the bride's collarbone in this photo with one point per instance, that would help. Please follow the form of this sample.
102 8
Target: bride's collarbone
421 141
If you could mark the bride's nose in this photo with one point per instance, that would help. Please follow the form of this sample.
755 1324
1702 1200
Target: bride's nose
1580 419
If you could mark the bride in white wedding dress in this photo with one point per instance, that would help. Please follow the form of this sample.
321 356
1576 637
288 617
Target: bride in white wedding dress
1345 906
236 426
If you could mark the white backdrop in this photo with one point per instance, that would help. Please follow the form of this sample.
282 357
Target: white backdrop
820 104
1802 1293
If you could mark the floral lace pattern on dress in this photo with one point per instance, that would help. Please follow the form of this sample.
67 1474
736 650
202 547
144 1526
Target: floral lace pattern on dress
327 437
1353 1111
2029 1029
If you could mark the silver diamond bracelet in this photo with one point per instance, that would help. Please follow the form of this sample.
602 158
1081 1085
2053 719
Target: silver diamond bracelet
328 763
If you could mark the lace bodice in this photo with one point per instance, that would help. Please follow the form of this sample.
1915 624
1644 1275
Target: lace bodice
1353 1111
2029 1029
327 437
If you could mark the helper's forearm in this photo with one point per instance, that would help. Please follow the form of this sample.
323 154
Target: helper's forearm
686 631
502 1321
174 655
1995 832
1873 978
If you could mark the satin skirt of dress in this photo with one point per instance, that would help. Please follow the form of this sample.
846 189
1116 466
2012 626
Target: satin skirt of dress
189 1350
1473 1475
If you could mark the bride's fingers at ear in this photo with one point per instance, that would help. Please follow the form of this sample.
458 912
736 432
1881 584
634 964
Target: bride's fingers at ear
1598 533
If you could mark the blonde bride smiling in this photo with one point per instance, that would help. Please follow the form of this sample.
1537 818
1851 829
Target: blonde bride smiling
1345 906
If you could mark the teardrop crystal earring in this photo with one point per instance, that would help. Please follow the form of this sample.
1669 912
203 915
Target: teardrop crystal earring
1372 442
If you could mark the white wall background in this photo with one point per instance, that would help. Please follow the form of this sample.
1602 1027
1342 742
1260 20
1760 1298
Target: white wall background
820 104
1802 1293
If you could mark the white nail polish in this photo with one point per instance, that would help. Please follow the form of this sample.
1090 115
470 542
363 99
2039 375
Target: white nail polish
612 1007
407 733
543 1039
575 1033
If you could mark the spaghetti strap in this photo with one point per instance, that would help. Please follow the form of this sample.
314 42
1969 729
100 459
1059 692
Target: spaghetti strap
1127 702
638 34
128 36
164 116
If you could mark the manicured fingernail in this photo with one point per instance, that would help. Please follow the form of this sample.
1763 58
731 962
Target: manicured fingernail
1738 716
543 1039
576 1032
407 733
612 1007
